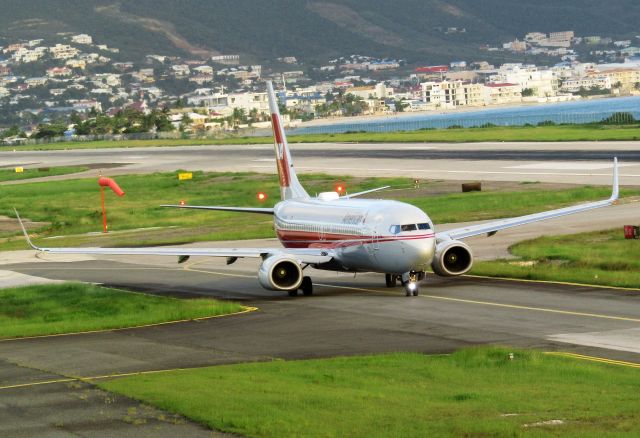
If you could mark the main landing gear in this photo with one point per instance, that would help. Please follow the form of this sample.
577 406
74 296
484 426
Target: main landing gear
409 281
306 287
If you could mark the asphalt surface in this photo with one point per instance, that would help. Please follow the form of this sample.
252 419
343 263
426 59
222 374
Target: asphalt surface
576 163
346 316
40 396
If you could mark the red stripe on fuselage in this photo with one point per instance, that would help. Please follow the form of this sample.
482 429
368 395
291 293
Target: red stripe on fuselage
281 159
308 239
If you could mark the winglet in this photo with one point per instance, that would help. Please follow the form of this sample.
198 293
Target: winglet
24 231
616 189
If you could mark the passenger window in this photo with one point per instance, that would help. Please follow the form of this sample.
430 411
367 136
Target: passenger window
424 226
408 227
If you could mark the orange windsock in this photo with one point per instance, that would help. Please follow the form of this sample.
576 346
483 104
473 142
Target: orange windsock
108 182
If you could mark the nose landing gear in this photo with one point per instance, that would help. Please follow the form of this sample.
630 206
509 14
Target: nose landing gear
410 282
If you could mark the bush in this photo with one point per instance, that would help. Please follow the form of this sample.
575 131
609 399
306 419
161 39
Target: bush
547 123
619 118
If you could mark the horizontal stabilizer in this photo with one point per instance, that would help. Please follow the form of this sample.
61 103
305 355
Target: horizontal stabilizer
220 208
353 195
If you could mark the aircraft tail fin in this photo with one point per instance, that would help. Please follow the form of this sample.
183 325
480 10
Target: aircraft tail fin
290 187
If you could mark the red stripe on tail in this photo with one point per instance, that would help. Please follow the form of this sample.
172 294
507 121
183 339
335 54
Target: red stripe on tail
282 162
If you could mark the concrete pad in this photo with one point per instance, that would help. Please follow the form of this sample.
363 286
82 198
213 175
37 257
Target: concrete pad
15 279
567 166
32 256
622 340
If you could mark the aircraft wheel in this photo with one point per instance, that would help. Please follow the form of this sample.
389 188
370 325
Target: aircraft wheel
416 291
390 280
411 288
306 286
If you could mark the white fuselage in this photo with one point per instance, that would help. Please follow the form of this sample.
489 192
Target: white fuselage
365 235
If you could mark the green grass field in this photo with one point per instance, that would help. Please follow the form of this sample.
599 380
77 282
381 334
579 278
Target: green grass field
602 258
72 207
74 307
587 132
476 392
29 173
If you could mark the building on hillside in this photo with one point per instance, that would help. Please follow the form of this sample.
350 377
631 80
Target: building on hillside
83 106
573 85
378 91
82 38
226 59
76 63
502 93
304 99
204 69
515 46
535 37
249 101
63 51
205 97
452 94
542 82
57 72
201 79
623 78
36 82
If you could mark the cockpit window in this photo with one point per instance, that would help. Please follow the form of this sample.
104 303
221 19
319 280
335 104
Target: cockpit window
424 226
408 227
394 229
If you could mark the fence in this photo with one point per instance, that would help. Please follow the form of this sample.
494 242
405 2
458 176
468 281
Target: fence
392 124
415 123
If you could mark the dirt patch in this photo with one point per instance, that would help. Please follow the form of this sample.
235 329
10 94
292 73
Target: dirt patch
159 26
11 225
349 19
427 188
450 9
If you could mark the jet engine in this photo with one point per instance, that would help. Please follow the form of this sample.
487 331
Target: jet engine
452 258
280 272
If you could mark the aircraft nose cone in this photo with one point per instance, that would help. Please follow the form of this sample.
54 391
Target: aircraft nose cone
422 252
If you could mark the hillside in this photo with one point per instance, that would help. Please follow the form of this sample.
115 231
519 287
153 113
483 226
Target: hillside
313 29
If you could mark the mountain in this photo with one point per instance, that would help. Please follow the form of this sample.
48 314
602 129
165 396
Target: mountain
313 30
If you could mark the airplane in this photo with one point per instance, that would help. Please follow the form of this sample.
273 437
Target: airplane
344 233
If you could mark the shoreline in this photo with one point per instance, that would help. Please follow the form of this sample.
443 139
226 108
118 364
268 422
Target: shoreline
409 115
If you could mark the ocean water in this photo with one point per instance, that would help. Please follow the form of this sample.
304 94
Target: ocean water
584 111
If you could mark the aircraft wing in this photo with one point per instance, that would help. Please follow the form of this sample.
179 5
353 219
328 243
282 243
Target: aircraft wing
304 255
491 228
221 208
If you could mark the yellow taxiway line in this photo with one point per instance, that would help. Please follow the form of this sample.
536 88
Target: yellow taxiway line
443 298
594 359
169 370
246 309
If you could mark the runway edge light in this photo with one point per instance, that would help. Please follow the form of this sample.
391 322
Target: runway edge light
262 196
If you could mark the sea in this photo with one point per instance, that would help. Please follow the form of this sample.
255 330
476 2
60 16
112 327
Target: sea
581 111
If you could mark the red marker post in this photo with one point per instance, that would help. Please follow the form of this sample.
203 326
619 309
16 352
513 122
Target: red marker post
107 182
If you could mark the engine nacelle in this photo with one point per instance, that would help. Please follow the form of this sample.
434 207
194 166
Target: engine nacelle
452 258
280 272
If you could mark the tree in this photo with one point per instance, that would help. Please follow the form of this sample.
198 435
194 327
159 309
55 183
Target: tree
528 92
185 123
400 105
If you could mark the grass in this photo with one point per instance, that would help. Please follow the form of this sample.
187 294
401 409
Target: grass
74 307
586 132
603 258
72 207
473 392
28 173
